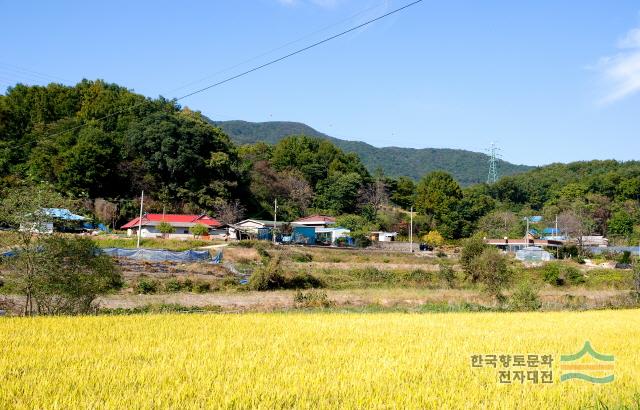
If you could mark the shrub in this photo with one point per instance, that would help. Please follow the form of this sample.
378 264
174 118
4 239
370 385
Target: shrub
441 254
165 228
493 272
433 238
373 274
625 258
419 276
173 285
302 281
199 230
311 299
302 257
269 276
472 248
447 275
560 274
262 251
525 298
202 287
568 251
145 286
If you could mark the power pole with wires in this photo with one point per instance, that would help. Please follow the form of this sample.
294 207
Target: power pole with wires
140 219
275 218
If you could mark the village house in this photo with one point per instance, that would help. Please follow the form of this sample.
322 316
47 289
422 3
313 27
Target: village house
254 229
180 223
316 221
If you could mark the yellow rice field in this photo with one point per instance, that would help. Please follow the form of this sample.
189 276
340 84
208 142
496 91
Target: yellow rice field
307 360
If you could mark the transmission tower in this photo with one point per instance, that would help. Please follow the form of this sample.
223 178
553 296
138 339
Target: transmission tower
494 155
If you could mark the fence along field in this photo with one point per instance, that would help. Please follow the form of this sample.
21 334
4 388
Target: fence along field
307 360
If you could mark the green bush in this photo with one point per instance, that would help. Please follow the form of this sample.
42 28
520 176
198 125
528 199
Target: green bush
418 276
525 298
568 251
625 258
269 276
173 285
472 248
302 257
447 275
201 287
312 299
302 281
146 286
492 272
560 274
373 274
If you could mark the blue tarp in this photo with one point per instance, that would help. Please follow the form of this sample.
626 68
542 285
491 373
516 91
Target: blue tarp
161 255
61 213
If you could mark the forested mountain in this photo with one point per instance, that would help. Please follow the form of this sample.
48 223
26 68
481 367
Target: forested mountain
467 167
101 144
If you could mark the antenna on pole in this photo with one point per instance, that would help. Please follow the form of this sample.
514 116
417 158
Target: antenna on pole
494 155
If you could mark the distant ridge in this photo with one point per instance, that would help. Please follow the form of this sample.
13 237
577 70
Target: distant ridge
467 167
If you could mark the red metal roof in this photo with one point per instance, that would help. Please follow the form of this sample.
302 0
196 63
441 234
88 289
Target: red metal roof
173 218
316 218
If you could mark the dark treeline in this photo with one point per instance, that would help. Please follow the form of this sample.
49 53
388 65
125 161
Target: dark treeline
102 144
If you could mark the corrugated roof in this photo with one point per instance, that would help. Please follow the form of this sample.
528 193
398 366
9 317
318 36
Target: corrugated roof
174 219
316 218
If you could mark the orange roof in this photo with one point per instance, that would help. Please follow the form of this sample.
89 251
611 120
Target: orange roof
148 219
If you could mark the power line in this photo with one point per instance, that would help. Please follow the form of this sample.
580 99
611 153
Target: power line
366 23
244 73
278 48
32 73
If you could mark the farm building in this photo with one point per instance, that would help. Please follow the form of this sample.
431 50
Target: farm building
58 219
381 236
316 221
330 236
180 223
253 228
514 245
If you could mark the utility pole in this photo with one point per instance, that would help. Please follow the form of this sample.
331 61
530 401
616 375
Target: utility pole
275 218
411 232
557 235
140 219
526 233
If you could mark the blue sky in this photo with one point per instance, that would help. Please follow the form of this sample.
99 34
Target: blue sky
548 81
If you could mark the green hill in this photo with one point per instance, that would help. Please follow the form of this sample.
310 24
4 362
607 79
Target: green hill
466 166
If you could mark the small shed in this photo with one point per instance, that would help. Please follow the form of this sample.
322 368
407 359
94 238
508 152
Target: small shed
329 236
382 236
